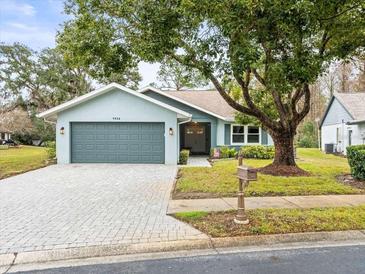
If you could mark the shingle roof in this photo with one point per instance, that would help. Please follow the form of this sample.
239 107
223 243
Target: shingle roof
209 100
354 103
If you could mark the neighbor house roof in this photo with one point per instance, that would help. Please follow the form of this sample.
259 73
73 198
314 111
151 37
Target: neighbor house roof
208 101
88 96
353 102
4 130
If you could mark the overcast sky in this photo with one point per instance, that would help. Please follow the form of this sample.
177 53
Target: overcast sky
36 22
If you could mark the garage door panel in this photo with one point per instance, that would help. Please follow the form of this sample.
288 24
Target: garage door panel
117 142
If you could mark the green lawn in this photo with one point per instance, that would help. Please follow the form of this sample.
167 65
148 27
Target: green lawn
220 180
277 221
18 160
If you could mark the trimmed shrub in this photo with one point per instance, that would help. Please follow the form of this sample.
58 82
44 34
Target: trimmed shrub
224 152
232 153
258 152
3 147
356 158
51 149
184 156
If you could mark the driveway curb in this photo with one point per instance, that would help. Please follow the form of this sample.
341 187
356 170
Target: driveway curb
125 249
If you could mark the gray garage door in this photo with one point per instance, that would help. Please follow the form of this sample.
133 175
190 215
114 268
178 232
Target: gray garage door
117 143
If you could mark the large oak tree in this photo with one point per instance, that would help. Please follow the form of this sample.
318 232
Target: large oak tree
40 79
271 49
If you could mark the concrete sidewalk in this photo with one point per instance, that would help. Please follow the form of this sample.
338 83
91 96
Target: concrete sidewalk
220 204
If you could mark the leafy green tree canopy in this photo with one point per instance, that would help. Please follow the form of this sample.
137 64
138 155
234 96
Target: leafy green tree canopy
39 80
279 46
94 44
172 74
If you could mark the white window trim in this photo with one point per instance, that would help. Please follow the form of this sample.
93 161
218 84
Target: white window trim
246 135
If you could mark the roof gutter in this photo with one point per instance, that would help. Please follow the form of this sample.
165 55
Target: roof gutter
355 122
49 121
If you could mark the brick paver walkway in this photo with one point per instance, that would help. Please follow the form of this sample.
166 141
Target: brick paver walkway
221 204
65 206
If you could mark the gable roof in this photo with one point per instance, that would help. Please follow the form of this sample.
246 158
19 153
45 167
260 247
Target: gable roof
208 101
354 104
88 96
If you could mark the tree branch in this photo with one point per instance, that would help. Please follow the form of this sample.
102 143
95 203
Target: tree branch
306 106
260 115
259 77
342 12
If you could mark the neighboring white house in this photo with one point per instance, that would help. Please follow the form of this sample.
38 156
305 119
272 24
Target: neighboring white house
343 123
4 135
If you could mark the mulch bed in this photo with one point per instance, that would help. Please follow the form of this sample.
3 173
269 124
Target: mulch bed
288 171
347 179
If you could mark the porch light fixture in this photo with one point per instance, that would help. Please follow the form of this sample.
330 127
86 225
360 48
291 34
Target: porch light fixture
62 130
171 131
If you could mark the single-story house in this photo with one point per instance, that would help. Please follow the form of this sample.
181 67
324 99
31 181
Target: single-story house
115 124
343 123
5 135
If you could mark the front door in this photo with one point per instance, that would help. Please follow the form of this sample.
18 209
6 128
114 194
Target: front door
195 138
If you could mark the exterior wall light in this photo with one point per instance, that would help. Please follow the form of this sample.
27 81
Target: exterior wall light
171 131
62 130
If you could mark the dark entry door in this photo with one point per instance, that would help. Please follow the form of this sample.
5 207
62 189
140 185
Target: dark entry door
196 137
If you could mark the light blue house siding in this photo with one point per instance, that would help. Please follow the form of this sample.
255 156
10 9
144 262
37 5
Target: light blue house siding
197 115
336 114
220 129
116 106
227 136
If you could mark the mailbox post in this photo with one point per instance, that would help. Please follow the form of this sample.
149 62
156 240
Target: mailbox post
244 174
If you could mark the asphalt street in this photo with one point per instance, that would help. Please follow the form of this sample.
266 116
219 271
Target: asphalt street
341 259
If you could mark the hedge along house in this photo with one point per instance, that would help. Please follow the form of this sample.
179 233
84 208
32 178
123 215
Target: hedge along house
343 123
115 124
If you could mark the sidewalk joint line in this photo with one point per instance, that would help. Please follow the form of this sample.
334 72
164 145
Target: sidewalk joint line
222 198
290 202
12 263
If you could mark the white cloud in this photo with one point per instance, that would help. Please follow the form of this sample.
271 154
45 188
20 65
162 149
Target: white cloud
21 26
16 7
36 39
148 72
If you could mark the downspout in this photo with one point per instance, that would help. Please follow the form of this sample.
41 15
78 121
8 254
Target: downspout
343 137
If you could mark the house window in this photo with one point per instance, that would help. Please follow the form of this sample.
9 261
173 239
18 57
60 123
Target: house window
238 134
253 135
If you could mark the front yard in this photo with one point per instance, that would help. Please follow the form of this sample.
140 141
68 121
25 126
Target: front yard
277 221
221 180
18 160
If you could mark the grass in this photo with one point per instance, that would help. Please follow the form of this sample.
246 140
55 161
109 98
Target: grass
221 180
277 221
18 160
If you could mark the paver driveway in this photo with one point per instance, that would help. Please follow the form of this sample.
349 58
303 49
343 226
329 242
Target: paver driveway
64 206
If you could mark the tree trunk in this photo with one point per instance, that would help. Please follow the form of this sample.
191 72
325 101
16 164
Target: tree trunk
284 150
284 160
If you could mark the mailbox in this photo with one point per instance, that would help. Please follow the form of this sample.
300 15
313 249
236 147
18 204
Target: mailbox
246 173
